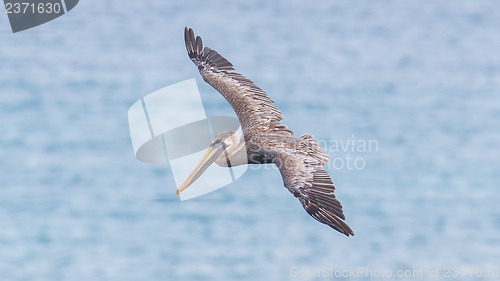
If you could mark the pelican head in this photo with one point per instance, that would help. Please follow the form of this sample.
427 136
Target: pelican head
219 152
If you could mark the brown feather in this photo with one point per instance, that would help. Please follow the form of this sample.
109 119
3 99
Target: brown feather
255 110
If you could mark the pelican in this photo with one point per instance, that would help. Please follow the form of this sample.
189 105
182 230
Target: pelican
300 160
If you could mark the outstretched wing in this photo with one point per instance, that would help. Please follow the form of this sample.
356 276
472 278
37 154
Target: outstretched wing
303 172
312 185
256 111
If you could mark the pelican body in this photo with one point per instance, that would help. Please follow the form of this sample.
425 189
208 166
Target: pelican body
265 140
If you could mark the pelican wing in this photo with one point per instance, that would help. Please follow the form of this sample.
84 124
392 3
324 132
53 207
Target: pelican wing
312 185
256 111
304 175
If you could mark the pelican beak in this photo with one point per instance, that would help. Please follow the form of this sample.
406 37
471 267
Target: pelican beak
212 153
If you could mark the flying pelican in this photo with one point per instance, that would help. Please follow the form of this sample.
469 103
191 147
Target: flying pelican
300 160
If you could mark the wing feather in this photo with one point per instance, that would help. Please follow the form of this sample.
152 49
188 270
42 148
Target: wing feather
256 111
317 197
301 164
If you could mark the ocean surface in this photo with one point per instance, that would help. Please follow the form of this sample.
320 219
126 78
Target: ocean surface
404 95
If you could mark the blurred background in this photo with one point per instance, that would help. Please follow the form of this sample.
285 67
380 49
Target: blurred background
422 79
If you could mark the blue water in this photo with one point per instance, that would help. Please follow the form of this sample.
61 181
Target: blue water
420 79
